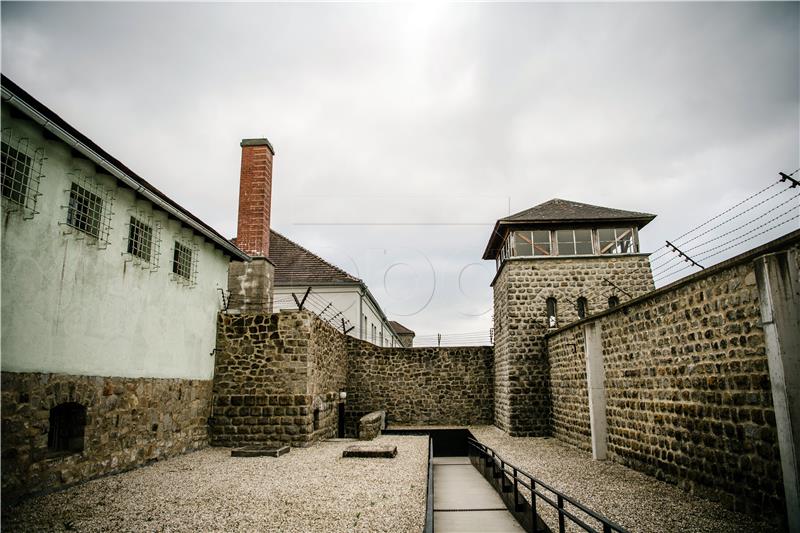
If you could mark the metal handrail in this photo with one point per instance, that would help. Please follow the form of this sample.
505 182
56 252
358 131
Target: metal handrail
518 477
429 493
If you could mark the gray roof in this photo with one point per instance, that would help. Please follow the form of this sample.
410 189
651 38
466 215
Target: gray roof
295 265
399 328
558 210
557 213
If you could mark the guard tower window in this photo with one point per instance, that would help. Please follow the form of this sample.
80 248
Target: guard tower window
582 306
613 301
316 419
531 243
552 318
574 242
67 425
616 241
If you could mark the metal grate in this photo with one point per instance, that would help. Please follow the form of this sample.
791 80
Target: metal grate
89 209
22 172
184 263
144 241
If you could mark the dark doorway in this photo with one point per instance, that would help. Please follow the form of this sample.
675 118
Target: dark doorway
340 432
67 427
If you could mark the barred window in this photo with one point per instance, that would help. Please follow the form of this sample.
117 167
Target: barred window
140 239
184 263
85 210
21 166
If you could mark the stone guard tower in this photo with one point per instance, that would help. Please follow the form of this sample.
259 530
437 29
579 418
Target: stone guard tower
557 262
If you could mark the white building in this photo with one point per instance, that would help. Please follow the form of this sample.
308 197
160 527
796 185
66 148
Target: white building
335 295
110 292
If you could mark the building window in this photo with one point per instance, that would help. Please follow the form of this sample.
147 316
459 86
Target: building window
574 241
613 301
21 166
582 307
374 333
531 243
184 263
144 241
89 210
552 317
380 335
67 425
616 241
316 419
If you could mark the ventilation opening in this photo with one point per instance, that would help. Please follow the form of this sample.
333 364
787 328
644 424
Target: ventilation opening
613 301
67 425
582 305
552 319
316 419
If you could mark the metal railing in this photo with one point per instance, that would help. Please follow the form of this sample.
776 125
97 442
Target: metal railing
429 495
511 479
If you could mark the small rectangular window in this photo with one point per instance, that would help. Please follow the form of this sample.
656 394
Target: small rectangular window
616 240
85 212
523 243
21 166
184 263
566 242
583 242
541 243
16 170
140 239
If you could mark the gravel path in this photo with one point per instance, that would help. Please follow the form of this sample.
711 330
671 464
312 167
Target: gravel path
311 489
635 501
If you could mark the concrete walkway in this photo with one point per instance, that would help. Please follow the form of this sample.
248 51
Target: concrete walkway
465 502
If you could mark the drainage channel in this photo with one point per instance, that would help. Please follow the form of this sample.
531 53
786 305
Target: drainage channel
462 500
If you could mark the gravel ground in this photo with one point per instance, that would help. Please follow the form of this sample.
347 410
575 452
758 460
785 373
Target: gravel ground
633 500
311 489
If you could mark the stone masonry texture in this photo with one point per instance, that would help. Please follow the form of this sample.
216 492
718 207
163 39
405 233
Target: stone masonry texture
420 386
129 422
523 404
687 387
277 379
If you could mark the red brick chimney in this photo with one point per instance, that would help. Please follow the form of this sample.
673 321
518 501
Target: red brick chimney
255 197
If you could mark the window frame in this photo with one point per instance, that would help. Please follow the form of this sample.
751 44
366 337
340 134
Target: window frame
22 198
179 273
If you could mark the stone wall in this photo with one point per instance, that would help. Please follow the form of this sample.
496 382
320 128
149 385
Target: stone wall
129 422
569 390
687 387
277 379
327 375
523 404
420 386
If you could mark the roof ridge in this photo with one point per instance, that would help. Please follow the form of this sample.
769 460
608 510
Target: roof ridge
316 256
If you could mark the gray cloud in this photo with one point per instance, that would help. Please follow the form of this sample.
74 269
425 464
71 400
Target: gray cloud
427 114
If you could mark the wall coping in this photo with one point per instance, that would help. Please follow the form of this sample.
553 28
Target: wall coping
778 244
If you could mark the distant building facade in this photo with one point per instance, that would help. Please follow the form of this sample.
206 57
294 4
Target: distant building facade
406 335
297 269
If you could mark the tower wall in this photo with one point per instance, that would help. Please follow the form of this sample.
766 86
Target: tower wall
523 404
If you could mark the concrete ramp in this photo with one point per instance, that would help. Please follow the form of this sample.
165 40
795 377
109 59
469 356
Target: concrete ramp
463 501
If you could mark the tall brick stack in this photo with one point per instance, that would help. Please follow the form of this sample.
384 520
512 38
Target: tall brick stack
255 197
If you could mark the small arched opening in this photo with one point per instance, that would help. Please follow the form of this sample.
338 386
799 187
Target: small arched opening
583 306
613 301
67 428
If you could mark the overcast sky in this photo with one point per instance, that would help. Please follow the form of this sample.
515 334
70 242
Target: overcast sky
403 132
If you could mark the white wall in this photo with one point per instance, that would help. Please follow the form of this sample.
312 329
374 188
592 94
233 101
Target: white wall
344 299
70 307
